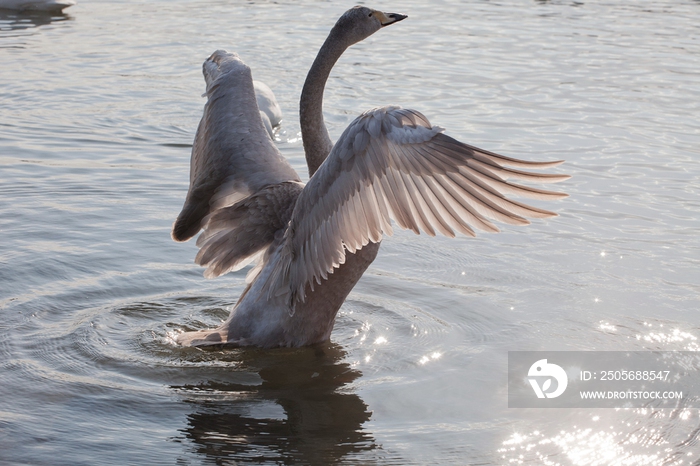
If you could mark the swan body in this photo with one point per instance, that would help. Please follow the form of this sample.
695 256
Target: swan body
36 5
270 111
312 243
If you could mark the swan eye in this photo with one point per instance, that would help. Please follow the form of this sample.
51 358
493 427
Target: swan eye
370 15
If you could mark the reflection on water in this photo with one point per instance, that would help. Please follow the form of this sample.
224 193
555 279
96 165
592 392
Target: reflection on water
298 414
20 20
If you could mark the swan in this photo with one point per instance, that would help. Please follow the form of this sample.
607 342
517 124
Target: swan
312 242
36 5
270 111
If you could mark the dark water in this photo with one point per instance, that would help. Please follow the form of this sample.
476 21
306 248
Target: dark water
97 113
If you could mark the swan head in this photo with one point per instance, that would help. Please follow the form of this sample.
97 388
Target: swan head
360 22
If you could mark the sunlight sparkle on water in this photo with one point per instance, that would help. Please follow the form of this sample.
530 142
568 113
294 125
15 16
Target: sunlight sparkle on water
606 327
431 357
688 340
581 447
597 445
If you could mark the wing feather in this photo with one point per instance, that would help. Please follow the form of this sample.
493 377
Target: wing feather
235 235
478 202
391 164
232 155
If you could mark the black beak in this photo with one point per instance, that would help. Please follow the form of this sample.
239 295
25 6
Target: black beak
392 18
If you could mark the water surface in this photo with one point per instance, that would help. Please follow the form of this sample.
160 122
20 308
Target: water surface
98 110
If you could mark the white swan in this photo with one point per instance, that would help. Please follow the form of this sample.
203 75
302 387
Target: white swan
270 111
36 5
313 242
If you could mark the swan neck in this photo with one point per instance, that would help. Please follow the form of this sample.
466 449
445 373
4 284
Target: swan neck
314 134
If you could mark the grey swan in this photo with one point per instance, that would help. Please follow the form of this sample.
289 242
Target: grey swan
312 242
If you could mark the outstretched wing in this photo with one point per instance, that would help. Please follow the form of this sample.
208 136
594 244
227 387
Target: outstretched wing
234 235
391 164
232 157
